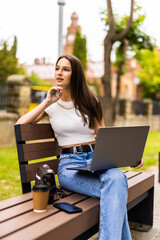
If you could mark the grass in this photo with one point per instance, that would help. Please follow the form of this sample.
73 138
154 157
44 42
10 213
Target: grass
152 150
10 179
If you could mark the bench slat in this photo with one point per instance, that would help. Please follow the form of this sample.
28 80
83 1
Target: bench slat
10 202
62 221
40 150
27 132
139 184
24 207
130 174
16 210
30 217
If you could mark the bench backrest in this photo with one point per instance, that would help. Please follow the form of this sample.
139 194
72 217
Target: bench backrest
35 142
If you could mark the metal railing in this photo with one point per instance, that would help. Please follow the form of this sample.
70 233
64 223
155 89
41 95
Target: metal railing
138 107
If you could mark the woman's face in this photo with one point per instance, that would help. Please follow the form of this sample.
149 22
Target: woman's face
63 73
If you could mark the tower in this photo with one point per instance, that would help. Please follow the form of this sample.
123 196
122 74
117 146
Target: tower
71 33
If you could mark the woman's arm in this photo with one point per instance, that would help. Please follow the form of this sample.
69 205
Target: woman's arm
35 115
98 125
38 113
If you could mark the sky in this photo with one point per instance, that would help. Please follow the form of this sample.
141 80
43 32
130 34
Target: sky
35 23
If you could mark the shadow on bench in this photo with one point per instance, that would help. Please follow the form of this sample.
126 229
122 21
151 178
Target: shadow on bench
37 141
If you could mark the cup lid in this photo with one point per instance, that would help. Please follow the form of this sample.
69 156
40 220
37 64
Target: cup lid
40 188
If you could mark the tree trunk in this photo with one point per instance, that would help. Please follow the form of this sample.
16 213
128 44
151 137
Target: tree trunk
110 38
115 101
119 74
108 114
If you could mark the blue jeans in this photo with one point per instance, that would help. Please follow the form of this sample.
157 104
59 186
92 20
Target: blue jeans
110 186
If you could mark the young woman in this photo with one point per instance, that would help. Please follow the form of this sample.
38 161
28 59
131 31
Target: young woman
75 115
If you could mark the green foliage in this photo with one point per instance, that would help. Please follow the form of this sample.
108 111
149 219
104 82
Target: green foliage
120 56
35 80
141 46
80 50
149 73
8 60
136 38
14 47
22 71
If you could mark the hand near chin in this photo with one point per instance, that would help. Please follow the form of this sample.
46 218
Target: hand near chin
54 94
139 165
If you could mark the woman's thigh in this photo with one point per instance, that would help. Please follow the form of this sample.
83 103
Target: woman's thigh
88 183
81 182
78 181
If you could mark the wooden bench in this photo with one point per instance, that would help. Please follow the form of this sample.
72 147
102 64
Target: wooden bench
37 141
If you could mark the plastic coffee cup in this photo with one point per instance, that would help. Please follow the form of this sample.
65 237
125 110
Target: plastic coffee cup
40 198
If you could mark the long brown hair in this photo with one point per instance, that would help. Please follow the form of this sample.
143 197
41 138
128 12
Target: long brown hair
84 100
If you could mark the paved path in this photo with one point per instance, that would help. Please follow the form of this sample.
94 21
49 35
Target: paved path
154 233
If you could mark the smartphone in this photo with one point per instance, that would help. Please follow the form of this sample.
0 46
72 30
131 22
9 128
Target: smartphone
67 207
57 93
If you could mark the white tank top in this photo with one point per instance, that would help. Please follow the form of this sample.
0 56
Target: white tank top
68 125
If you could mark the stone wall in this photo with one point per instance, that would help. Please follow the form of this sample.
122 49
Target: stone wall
18 102
133 120
18 94
7 121
127 118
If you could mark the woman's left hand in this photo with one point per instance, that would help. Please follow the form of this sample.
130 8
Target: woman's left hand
139 165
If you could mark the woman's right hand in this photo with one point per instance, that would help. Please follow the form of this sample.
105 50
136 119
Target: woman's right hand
51 95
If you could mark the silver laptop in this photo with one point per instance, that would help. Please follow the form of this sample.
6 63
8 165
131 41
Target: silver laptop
117 147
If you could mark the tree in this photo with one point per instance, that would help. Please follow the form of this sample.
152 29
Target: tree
111 37
37 81
149 73
79 49
134 41
14 48
8 60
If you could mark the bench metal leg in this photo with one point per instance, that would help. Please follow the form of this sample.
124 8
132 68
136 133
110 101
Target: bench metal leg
141 215
26 187
89 233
